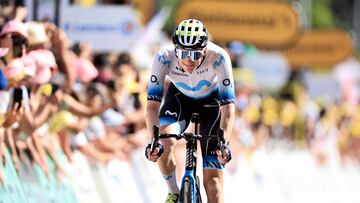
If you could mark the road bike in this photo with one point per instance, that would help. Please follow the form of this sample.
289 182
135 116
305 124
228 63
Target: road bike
190 185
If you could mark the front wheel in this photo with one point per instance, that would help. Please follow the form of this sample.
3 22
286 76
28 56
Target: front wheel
186 193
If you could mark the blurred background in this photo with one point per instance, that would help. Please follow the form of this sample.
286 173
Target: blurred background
73 85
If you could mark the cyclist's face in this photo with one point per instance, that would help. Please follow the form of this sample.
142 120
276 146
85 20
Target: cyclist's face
190 59
188 65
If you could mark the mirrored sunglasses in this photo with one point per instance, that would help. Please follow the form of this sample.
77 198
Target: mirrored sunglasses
194 55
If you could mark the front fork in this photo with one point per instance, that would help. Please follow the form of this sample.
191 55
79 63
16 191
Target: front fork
190 169
190 182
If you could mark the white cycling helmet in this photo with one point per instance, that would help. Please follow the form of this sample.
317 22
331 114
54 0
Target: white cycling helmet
191 34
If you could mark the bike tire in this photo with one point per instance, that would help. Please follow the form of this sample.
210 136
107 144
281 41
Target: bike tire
186 193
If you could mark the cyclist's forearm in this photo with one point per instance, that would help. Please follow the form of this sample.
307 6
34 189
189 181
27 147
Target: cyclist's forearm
227 119
152 115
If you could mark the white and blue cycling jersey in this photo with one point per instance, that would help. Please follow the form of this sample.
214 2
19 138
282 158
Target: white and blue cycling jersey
213 75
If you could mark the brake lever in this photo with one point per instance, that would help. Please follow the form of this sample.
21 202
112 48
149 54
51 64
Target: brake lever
221 141
154 139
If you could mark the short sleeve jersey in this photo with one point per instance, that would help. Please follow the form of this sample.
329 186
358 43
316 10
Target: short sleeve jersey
213 75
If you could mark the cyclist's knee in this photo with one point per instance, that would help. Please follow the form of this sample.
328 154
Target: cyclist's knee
213 185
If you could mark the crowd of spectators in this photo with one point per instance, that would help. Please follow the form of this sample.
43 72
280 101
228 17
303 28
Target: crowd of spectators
60 95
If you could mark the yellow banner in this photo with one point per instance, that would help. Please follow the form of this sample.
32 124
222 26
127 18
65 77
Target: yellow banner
261 23
317 48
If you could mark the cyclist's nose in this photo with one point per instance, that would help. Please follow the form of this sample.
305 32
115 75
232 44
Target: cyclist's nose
188 58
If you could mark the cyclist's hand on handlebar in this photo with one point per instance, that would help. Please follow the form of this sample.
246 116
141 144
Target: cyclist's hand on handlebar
159 149
223 153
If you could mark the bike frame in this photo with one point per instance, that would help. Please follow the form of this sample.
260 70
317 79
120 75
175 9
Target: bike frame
191 161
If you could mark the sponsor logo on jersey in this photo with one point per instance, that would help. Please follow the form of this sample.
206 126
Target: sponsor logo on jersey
167 112
179 74
198 87
153 79
162 59
202 71
226 82
219 62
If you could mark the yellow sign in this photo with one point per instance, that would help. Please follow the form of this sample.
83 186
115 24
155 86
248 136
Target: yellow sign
145 8
270 24
319 48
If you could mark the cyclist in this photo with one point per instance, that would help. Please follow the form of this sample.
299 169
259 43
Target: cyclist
201 82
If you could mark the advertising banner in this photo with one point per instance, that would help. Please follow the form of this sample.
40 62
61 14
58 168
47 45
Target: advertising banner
316 48
268 24
107 28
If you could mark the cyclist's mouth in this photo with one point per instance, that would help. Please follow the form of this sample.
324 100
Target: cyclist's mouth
188 65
